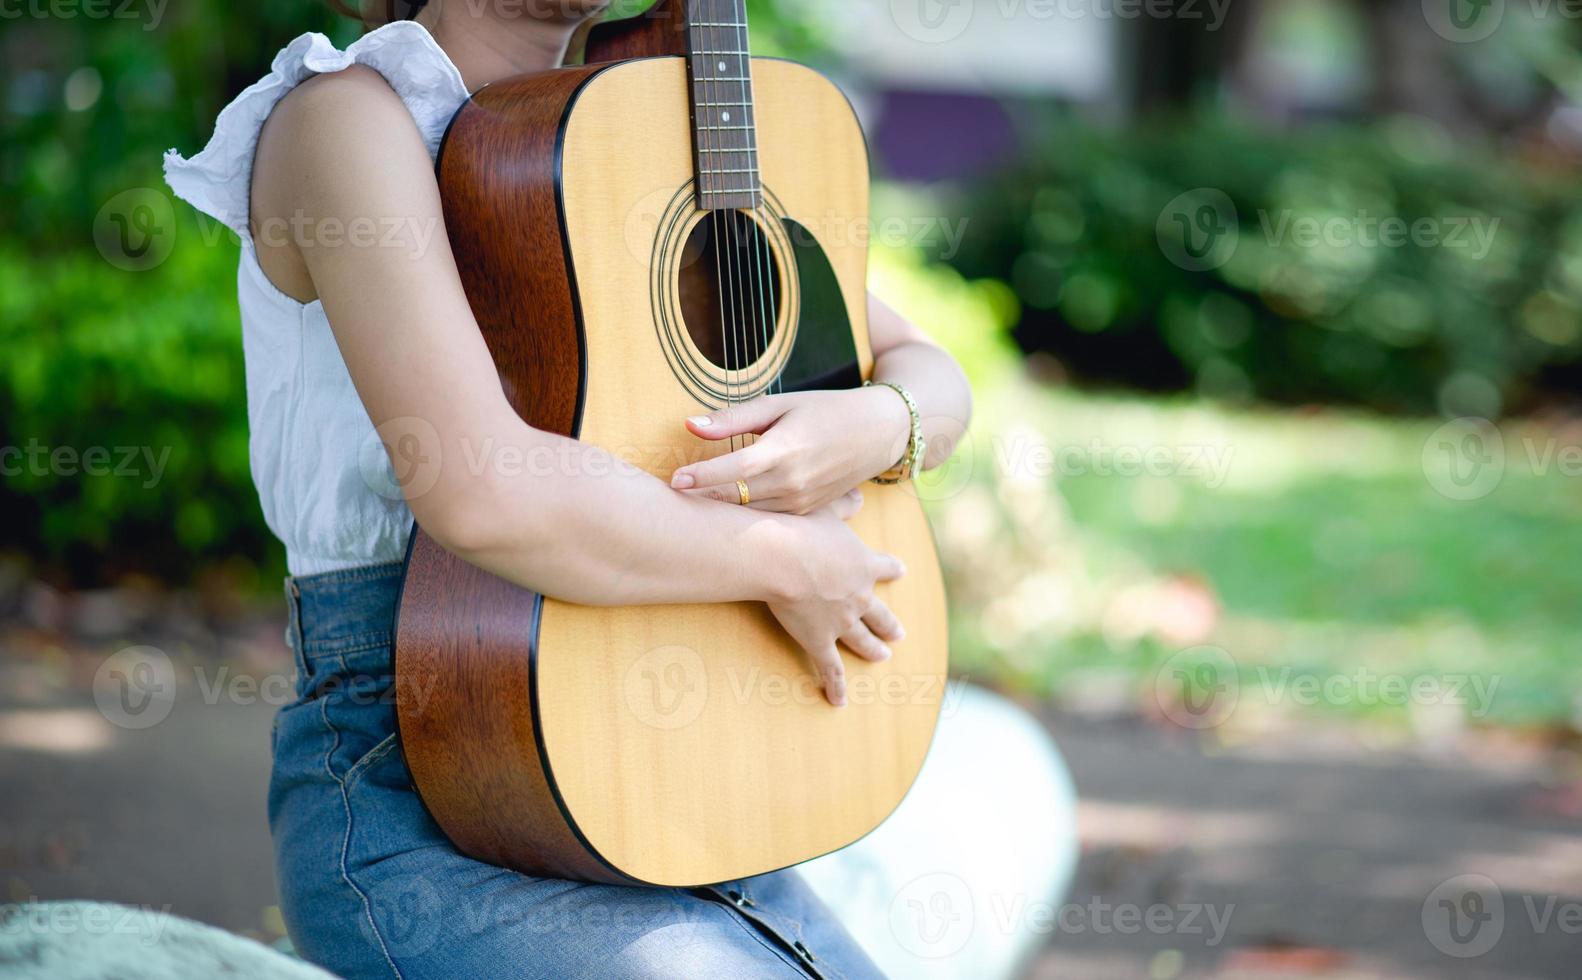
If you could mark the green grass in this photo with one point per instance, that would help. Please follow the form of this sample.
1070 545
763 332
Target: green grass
1325 549
1323 542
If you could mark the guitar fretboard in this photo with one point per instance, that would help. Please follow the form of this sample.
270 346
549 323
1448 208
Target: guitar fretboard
725 137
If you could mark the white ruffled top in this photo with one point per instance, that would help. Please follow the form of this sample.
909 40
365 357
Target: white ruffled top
323 477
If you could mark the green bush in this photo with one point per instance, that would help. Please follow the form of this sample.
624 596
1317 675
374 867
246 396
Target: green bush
122 411
1082 226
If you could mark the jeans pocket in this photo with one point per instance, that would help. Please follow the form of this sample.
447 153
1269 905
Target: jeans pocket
371 758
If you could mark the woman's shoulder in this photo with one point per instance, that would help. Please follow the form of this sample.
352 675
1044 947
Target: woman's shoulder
341 151
337 110
396 77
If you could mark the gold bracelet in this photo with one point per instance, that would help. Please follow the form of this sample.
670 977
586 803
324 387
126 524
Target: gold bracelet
911 462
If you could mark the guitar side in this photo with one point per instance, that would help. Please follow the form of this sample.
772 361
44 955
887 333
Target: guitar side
464 639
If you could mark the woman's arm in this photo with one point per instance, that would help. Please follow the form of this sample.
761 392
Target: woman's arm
341 152
905 355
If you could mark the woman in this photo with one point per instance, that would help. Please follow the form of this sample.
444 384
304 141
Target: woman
347 342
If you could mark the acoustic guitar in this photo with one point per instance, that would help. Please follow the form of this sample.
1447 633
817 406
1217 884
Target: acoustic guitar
669 228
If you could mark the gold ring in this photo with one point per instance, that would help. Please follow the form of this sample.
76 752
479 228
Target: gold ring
741 490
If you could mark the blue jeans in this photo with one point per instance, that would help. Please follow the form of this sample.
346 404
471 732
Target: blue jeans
370 887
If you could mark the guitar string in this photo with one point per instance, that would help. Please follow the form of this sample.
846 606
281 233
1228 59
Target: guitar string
741 331
739 41
763 265
724 271
706 181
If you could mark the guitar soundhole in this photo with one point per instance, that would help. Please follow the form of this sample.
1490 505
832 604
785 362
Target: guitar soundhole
729 288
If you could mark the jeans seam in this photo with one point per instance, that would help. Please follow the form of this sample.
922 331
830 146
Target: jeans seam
321 649
346 839
753 931
800 936
299 658
358 573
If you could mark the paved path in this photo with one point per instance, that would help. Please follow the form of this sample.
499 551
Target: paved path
1306 855
1319 854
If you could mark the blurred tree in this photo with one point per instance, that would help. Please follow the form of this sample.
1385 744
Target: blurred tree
1100 235
1178 60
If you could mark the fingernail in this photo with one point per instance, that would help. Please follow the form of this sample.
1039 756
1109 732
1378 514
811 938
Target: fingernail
884 653
701 421
682 481
900 634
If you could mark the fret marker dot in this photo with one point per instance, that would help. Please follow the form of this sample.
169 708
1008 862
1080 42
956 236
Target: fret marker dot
726 115
722 68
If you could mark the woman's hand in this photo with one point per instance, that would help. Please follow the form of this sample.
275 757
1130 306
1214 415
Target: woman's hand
812 447
834 600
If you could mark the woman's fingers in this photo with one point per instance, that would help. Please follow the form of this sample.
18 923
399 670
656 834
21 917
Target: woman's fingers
732 494
743 464
885 568
884 623
846 505
768 498
750 416
831 674
861 641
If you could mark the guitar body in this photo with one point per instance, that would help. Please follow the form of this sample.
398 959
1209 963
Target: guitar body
663 745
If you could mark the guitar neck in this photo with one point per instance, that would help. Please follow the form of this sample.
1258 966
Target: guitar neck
712 36
724 126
